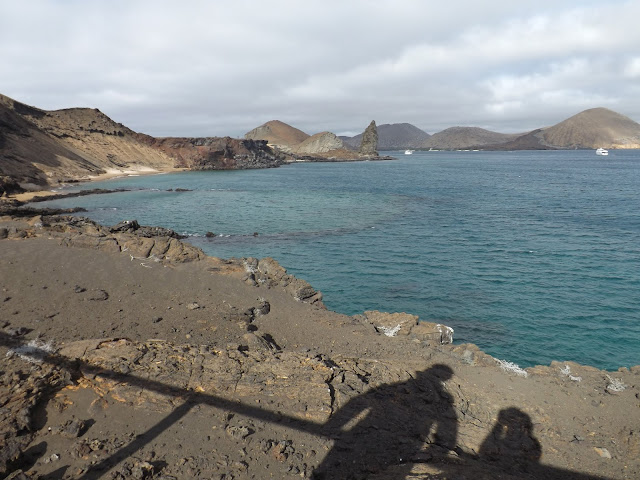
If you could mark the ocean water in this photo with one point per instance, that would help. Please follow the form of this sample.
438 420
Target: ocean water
533 256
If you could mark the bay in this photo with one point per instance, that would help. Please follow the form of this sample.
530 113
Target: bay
533 256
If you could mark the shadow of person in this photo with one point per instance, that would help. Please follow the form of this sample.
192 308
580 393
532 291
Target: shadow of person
511 444
512 448
394 424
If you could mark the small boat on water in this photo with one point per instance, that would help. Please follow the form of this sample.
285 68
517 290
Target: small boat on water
408 152
602 151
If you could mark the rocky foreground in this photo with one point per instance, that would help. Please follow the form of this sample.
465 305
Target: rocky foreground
127 353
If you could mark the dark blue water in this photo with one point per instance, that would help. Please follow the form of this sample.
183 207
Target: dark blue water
533 256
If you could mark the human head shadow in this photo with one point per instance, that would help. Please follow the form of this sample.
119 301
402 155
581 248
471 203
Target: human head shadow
390 425
511 443
511 447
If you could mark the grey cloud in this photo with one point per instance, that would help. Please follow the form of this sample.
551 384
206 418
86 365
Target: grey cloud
222 68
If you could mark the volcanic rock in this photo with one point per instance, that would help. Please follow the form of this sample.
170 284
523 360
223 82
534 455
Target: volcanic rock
320 143
369 145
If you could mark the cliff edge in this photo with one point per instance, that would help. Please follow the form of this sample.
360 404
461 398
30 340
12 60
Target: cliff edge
130 354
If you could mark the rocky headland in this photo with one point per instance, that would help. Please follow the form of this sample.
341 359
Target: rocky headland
320 147
128 353
40 149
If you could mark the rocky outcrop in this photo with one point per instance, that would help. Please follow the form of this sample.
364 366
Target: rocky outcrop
270 273
320 143
405 324
369 144
266 411
9 186
156 245
397 136
124 361
216 153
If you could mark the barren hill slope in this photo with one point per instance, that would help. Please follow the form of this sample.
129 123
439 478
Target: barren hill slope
593 128
322 142
466 137
21 140
44 147
277 133
39 148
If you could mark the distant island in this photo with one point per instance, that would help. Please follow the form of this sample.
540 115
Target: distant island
590 129
40 148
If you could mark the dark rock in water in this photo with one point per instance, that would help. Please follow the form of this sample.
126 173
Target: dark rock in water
369 145
132 226
125 226
15 210
81 193
209 234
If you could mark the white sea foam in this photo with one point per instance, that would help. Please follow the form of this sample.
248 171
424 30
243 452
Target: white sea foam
511 367
566 371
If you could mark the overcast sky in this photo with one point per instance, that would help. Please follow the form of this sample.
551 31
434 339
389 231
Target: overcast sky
215 68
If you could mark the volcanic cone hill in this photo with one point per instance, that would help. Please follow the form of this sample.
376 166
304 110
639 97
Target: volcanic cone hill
593 128
278 133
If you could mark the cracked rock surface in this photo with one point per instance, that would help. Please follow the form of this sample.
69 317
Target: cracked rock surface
128 355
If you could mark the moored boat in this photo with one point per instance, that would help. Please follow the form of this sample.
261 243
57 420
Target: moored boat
602 151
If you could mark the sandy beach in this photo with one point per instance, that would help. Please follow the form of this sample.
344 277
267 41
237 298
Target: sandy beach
111 173
130 354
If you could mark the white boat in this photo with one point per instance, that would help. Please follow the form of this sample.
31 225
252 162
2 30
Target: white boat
408 152
602 151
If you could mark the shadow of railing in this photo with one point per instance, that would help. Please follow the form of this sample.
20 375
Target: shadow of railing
366 448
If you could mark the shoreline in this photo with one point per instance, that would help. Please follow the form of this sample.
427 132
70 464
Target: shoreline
110 174
119 333
149 172
37 214
142 170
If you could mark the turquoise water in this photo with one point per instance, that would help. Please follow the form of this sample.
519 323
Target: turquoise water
533 256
